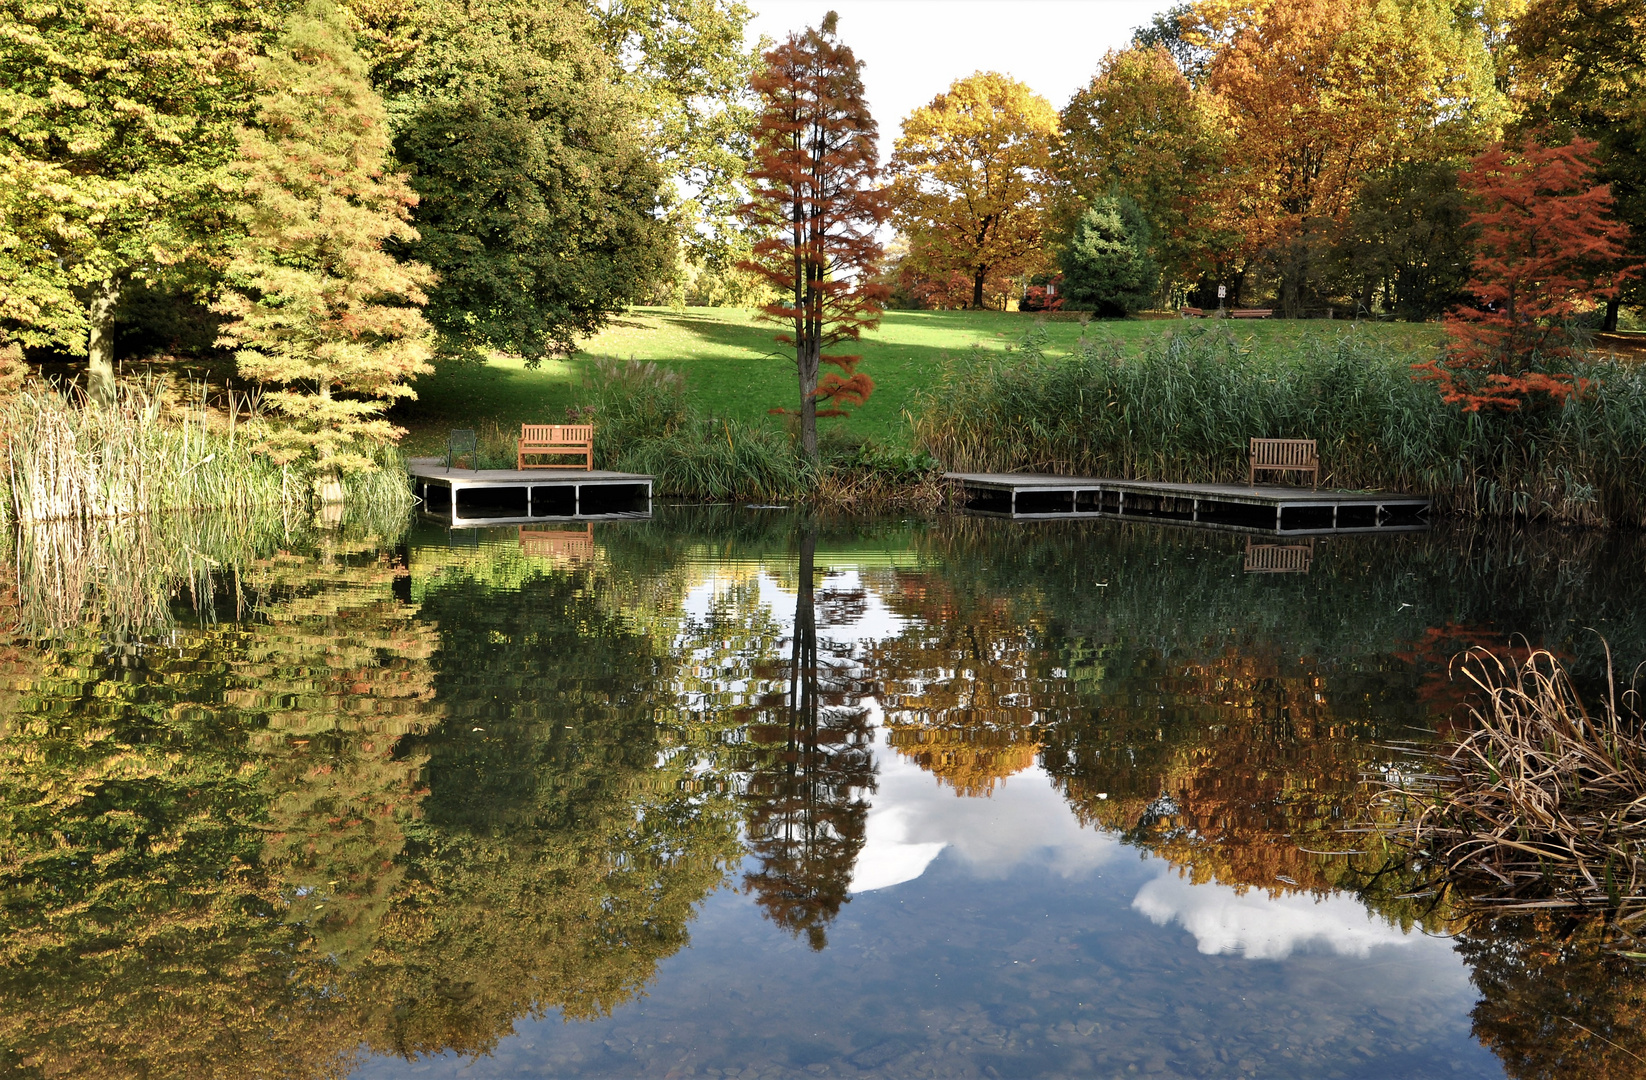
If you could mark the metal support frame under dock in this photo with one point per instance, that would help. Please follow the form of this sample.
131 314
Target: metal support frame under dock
470 497
1264 508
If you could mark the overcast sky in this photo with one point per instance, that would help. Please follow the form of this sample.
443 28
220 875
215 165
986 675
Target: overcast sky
913 49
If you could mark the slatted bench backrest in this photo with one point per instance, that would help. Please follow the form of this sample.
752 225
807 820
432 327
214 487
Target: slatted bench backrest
556 434
561 439
1281 455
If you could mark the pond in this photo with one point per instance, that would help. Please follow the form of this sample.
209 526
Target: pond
744 793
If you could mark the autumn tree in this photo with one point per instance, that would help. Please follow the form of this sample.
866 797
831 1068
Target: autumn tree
1141 130
538 198
1319 94
971 175
1579 69
320 309
119 120
1547 248
816 211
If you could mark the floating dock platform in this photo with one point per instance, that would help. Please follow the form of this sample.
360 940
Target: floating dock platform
468 497
1239 507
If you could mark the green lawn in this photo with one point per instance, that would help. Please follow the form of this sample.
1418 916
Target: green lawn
733 368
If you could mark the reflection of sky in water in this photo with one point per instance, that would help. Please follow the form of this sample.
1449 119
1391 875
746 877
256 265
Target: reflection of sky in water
998 937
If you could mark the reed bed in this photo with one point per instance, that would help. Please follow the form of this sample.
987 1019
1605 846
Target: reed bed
644 423
1542 804
147 453
1185 408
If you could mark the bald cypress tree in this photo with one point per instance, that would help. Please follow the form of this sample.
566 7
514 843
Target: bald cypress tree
321 310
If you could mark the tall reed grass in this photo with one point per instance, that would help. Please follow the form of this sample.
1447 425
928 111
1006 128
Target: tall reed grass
1186 407
644 423
144 454
1542 804
155 451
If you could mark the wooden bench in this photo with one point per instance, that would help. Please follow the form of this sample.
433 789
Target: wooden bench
1251 313
563 440
1284 455
1192 313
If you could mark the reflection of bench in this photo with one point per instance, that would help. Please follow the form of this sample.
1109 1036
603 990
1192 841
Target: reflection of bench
551 440
558 544
1284 455
1279 558
1251 313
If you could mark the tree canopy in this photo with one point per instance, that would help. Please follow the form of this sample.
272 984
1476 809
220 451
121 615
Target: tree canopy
539 197
971 174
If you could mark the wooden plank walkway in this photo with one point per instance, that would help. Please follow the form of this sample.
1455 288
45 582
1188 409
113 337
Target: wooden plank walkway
466 497
1263 508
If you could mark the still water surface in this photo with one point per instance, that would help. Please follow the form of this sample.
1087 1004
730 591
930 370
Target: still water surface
736 793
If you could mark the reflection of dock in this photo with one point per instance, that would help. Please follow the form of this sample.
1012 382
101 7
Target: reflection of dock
1279 558
522 496
1264 508
559 545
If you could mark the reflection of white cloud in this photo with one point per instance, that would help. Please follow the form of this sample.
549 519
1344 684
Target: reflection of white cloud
888 857
1259 927
913 818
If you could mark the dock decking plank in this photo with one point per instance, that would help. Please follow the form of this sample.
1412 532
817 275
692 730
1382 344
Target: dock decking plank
1241 507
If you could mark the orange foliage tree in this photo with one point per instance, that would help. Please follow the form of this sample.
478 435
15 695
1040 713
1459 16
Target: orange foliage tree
972 173
1318 94
816 211
1546 246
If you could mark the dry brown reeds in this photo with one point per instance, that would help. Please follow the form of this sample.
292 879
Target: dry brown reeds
1542 804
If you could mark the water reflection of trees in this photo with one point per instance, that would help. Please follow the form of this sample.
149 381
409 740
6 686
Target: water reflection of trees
195 826
808 764
410 812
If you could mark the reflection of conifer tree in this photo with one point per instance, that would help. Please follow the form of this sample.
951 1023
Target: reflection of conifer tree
808 775
196 828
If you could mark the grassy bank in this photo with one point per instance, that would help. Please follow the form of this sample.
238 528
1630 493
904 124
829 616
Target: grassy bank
734 370
1184 407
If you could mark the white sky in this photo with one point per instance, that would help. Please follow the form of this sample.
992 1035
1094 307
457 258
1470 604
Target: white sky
913 49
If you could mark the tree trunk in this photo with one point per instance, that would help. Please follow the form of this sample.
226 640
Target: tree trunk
1610 324
100 343
807 362
977 288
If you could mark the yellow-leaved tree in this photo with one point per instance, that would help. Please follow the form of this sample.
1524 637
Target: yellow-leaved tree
972 180
1320 94
319 308
1140 129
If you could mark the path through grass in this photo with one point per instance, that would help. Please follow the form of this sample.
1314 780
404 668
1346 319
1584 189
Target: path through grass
734 368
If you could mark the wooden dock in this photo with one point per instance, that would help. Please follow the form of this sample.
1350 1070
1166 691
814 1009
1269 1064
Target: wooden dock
1264 508
463 497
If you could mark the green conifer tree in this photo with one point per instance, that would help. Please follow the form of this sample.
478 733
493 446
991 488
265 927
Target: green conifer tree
319 307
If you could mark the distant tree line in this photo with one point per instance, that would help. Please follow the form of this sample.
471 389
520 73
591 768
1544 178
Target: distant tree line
1300 153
